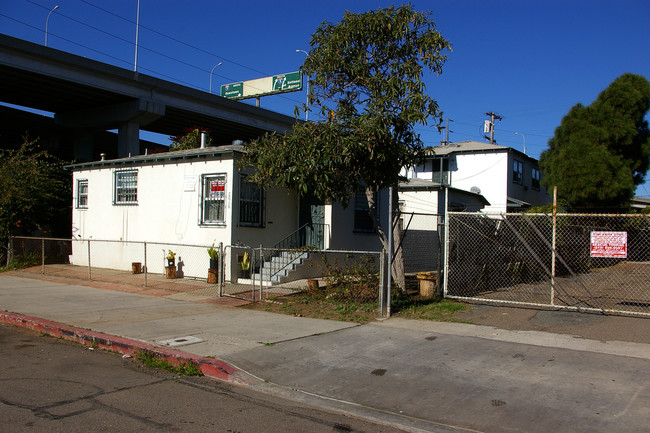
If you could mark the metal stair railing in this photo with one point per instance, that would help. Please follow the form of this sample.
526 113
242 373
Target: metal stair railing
283 257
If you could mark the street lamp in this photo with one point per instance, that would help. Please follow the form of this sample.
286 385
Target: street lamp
524 137
218 64
47 20
308 88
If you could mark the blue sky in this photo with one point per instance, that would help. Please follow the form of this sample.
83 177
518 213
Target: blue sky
528 61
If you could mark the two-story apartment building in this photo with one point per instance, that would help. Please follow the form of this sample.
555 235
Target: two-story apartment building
507 178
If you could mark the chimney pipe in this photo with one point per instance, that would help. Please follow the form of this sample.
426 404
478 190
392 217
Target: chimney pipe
203 139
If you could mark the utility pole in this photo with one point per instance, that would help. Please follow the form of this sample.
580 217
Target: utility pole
447 131
447 141
493 117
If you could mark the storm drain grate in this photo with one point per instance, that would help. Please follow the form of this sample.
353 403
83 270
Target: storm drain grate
180 341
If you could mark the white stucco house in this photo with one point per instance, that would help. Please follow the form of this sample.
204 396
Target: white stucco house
507 178
198 197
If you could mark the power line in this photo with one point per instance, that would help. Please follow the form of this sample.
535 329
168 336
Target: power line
154 72
175 40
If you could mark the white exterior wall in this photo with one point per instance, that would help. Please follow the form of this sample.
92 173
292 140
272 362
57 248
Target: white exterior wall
492 173
489 171
165 211
168 211
420 201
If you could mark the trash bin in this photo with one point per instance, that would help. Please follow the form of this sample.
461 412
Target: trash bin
427 283
136 267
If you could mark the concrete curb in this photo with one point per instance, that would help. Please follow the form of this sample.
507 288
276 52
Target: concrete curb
210 367
218 369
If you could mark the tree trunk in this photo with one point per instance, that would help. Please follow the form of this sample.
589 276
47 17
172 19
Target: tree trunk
397 269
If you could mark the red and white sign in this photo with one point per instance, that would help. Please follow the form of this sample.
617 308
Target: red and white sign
609 244
217 189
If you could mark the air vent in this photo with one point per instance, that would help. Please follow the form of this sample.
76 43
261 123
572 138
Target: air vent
475 190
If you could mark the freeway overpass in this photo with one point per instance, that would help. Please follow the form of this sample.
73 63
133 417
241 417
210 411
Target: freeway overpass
87 96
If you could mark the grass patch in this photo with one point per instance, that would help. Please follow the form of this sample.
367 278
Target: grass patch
428 309
330 308
318 307
183 368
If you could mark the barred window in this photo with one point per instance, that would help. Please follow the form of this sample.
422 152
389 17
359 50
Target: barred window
126 187
251 204
213 199
82 193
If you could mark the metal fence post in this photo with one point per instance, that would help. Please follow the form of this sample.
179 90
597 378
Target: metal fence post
221 269
553 245
382 281
445 263
252 267
89 273
10 249
261 273
43 256
145 264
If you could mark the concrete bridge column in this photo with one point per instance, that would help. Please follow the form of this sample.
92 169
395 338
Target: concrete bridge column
128 141
83 145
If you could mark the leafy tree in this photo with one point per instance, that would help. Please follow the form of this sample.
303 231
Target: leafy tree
190 139
366 77
35 192
599 153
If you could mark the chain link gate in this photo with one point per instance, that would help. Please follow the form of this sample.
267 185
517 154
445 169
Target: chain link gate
587 262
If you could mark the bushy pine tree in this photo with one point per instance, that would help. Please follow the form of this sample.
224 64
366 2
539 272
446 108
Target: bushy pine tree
599 153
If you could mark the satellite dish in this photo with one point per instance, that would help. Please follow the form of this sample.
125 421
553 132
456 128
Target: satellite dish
475 190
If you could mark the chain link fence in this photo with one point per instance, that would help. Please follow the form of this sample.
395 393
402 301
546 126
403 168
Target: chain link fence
421 247
164 268
204 271
575 261
263 273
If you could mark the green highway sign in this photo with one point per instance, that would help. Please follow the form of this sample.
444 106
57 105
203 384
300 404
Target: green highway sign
290 82
233 90
281 83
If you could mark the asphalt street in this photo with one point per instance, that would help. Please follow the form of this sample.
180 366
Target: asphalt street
422 376
53 385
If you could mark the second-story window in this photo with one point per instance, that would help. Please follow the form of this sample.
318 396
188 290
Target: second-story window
535 178
518 172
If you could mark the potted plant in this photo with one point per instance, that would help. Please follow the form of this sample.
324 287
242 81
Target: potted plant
213 272
170 269
214 257
171 258
245 265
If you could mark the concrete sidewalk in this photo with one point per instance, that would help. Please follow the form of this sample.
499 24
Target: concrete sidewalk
419 375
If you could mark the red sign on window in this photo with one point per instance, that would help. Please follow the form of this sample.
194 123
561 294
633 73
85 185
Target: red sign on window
609 244
217 188
217 185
